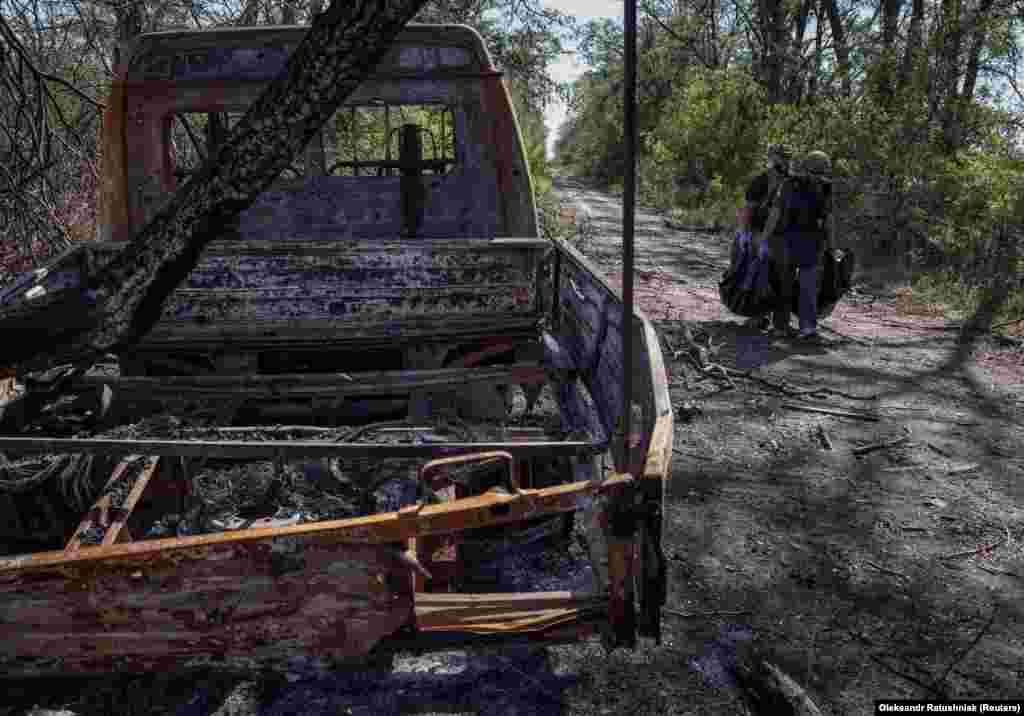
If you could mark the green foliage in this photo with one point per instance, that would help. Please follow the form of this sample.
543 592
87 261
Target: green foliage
924 155
596 148
709 122
600 45
958 300
533 135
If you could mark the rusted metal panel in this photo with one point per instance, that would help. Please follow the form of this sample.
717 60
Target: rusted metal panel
590 329
264 601
488 510
322 334
463 202
621 570
352 288
218 71
221 306
242 449
497 133
579 412
259 294
320 385
260 54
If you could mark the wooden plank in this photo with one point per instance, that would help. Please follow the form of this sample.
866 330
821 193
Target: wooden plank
133 498
659 453
501 613
490 509
100 512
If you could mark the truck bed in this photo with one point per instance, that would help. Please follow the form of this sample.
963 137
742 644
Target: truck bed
344 585
260 294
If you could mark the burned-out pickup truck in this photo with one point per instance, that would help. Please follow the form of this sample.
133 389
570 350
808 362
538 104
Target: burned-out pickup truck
381 412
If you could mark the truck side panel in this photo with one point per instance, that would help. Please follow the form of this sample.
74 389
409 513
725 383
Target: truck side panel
235 604
352 290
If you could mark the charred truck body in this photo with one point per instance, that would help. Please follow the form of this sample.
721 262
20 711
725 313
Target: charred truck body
370 412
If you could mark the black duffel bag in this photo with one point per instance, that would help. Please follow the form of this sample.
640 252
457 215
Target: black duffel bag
745 287
834 281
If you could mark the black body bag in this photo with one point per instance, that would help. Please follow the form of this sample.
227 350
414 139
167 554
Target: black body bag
745 287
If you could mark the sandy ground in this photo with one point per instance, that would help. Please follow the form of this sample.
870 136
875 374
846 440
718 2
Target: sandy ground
896 573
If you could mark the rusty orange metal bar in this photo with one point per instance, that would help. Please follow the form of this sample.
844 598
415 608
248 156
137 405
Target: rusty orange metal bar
487 510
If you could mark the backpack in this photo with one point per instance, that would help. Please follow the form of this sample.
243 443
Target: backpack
764 208
801 215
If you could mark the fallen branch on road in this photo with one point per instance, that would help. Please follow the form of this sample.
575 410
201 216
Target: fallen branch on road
967 650
985 549
874 447
766 689
934 689
998 572
700 615
832 411
795 393
886 570
826 442
942 329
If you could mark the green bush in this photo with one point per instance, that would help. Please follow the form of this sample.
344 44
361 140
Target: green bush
958 300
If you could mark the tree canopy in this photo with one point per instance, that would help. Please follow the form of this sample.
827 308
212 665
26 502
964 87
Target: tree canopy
918 102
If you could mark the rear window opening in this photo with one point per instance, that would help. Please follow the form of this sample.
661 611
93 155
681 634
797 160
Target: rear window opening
359 140
367 138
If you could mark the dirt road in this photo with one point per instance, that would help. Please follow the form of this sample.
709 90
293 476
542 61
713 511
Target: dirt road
897 572
855 508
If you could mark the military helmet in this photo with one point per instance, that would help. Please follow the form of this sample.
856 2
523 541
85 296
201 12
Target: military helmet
779 155
817 164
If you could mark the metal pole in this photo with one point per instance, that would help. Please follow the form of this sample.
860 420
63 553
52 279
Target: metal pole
628 211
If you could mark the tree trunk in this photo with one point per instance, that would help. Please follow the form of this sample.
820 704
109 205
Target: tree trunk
774 31
250 13
946 91
340 50
983 16
915 37
796 91
839 41
887 60
129 26
288 12
316 157
812 84
714 46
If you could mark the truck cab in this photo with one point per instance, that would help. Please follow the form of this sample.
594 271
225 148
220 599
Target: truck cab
407 227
